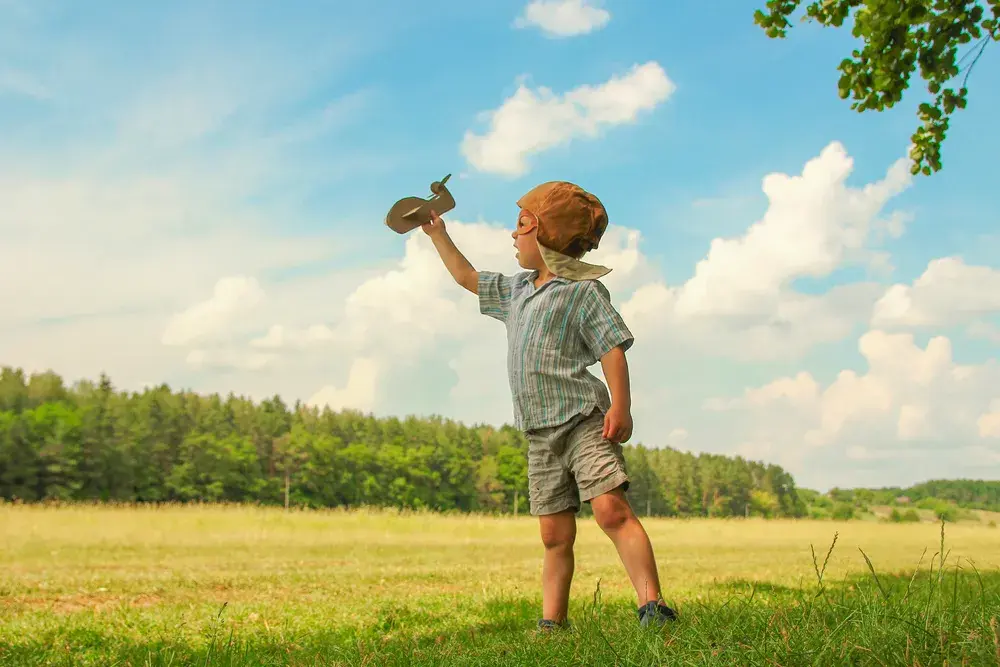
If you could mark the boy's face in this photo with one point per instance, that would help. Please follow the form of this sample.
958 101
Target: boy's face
525 241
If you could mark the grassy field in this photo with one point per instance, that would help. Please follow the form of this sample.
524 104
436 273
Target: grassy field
247 586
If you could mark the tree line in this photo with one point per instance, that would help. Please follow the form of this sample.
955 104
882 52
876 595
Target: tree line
91 442
973 494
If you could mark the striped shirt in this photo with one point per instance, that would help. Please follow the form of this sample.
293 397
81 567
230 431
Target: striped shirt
554 333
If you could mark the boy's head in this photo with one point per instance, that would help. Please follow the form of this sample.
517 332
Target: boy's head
557 224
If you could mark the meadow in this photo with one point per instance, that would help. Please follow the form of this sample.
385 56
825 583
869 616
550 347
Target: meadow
232 585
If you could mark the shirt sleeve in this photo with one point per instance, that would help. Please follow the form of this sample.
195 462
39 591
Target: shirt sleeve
494 295
601 326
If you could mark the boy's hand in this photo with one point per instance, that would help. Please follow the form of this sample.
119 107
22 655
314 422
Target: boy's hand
617 424
435 226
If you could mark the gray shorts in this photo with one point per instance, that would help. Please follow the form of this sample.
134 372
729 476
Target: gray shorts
571 463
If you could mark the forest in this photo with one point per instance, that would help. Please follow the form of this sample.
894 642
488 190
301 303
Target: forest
92 442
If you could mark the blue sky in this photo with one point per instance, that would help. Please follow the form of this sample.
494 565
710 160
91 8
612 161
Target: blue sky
193 192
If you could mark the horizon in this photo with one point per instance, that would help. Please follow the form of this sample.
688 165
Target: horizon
194 196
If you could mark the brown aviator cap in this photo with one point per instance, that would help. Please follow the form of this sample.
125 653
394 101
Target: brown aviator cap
571 221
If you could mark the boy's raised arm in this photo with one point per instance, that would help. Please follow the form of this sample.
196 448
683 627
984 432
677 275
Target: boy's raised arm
458 266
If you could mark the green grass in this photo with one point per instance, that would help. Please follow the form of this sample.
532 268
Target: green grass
250 586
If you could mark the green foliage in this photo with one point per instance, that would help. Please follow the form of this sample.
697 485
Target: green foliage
897 38
947 513
90 442
764 503
843 512
909 516
928 503
969 494
823 502
666 482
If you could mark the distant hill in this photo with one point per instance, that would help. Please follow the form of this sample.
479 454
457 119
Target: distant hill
965 493
947 499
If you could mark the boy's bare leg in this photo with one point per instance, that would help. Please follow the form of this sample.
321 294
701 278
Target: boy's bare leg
615 517
558 535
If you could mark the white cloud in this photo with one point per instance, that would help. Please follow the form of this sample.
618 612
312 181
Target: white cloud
563 18
123 204
228 359
741 301
414 311
532 121
948 292
405 310
797 392
813 224
676 438
912 402
280 337
359 394
989 422
212 318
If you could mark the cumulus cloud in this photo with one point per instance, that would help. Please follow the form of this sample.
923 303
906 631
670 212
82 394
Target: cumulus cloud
406 316
949 292
741 300
676 438
415 310
229 359
912 401
813 222
211 318
279 337
799 391
563 18
989 422
533 121
358 394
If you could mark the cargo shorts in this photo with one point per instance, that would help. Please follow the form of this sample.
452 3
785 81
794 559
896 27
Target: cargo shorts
572 462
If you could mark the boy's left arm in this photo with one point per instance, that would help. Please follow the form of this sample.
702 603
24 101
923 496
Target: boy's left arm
618 421
605 333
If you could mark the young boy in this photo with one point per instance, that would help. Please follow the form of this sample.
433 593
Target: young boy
560 321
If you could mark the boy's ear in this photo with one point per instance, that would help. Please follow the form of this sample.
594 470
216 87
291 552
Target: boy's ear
526 224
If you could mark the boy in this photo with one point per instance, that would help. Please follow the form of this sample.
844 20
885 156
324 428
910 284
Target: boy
560 321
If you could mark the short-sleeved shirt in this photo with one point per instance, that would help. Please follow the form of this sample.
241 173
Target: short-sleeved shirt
554 334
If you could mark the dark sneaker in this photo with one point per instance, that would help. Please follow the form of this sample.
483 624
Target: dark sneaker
655 613
546 625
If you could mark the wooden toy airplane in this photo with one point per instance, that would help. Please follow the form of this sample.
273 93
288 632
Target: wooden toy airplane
411 212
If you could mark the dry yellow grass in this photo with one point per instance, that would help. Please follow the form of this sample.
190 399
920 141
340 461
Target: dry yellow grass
147 569
253 554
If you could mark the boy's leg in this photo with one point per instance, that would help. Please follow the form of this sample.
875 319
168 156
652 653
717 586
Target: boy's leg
558 534
599 469
554 499
615 517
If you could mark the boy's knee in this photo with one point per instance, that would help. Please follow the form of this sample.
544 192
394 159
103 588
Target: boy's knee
611 513
558 532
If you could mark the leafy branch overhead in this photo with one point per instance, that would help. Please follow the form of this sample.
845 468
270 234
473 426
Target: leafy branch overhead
945 38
